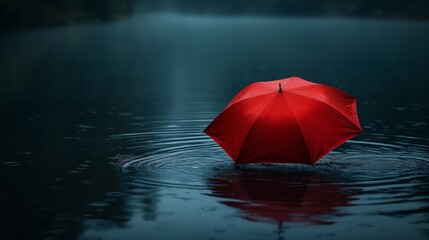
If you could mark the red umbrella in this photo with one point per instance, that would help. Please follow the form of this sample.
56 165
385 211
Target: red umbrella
285 121
266 196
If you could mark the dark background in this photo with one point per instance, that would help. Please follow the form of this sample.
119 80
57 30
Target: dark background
20 14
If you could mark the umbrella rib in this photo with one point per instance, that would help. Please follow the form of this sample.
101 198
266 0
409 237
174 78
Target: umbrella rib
319 85
309 157
246 139
262 94
232 108
304 87
329 106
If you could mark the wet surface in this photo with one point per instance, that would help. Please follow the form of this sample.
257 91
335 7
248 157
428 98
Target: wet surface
102 130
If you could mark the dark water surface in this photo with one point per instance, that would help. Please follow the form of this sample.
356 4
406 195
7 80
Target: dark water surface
102 130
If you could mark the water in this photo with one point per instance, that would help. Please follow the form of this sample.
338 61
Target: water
102 130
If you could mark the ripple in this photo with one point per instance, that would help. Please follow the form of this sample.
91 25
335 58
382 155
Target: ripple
99 204
376 159
12 164
181 156
185 165
115 194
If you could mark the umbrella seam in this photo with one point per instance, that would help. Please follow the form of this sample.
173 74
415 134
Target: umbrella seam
229 109
340 115
310 157
288 90
329 106
263 94
252 127
321 85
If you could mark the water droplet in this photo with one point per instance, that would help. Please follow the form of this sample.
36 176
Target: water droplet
220 230
86 126
12 164
115 194
98 204
209 209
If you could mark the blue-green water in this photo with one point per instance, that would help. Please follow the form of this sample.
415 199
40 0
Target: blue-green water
102 130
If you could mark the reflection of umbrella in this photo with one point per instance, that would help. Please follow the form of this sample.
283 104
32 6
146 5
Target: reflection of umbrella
285 121
293 198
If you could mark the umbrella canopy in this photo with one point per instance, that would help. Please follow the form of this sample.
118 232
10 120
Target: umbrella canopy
276 197
289 120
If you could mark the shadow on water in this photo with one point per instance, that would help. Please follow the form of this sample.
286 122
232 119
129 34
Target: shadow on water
280 195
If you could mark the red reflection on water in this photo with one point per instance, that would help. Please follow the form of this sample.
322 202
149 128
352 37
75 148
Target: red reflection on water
264 196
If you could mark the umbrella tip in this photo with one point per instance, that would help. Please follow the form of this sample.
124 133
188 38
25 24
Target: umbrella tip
280 88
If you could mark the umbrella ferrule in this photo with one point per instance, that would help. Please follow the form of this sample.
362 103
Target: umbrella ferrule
280 88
